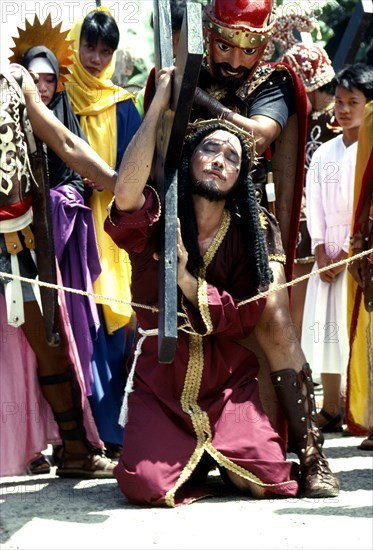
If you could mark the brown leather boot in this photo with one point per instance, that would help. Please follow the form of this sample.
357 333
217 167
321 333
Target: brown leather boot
296 397
77 458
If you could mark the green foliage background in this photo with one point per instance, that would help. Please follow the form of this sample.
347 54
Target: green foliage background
333 17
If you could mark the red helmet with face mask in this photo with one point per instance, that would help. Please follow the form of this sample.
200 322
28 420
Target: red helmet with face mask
240 23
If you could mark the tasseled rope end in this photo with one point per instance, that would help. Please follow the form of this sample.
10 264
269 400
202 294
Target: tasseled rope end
123 416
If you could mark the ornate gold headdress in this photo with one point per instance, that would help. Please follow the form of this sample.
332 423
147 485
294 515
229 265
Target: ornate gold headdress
37 34
288 18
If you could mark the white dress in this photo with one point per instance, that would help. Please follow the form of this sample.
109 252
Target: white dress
330 194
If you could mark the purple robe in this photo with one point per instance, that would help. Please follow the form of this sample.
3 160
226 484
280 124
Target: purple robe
79 262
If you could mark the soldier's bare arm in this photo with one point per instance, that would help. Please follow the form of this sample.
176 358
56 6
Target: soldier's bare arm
69 147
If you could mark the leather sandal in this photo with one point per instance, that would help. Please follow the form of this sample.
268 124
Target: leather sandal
317 480
57 454
333 424
366 444
113 451
38 465
92 465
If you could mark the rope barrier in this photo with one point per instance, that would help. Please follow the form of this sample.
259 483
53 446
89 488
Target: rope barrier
154 309
276 288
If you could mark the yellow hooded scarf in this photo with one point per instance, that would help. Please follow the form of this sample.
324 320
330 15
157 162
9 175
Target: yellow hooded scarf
360 322
94 101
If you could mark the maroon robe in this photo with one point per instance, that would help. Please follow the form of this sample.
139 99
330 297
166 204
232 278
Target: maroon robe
207 401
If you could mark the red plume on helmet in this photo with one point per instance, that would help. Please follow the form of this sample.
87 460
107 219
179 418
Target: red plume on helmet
241 23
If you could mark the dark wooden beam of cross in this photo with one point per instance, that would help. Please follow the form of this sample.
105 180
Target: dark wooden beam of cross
170 139
353 35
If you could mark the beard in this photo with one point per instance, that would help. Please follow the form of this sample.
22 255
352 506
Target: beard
209 190
230 81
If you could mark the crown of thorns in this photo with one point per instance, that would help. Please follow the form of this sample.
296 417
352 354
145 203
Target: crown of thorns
222 124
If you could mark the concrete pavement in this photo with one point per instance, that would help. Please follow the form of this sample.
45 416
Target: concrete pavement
45 512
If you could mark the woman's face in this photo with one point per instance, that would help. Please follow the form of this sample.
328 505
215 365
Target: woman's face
96 58
46 86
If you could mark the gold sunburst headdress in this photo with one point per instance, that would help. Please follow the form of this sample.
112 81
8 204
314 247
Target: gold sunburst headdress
44 34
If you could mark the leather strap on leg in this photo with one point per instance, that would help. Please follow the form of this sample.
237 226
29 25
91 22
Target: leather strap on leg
73 434
295 394
57 399
66 376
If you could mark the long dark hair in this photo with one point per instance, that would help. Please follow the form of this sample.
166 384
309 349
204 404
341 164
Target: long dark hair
242 201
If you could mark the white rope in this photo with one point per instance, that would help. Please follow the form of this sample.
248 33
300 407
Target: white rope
276 288
97 297
154 309
123 416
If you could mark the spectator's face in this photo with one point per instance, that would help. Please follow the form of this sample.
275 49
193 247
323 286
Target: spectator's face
46 86
215 165
232 65
96 58
349 107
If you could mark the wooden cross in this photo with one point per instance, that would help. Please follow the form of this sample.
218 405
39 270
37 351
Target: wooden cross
353 35
170 139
